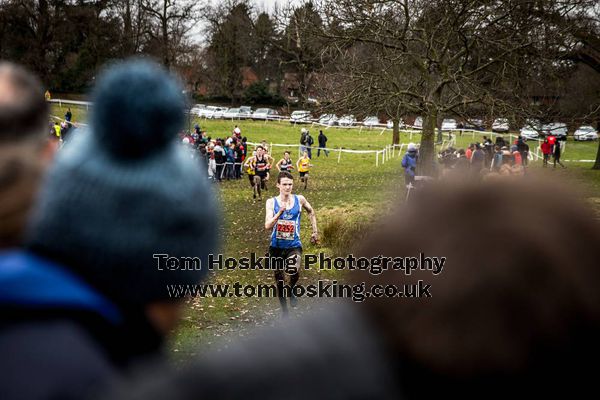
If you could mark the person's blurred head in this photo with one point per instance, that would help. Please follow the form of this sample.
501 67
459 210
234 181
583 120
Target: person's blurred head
25 151
123 197
523 311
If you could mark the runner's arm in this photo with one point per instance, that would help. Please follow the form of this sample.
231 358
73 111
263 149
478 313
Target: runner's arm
249 162
278 165
270 219
311 214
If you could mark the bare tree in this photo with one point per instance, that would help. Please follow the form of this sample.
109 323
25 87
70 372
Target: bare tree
171 21
442 57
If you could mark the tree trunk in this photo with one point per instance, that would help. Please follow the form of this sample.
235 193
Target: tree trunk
127 31
165 36
597 163
396 131
427 149
43 39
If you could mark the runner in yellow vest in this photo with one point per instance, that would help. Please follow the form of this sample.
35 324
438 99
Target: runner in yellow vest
303 164
250 164
57 130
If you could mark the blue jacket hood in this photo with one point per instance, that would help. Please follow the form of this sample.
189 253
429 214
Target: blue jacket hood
30 282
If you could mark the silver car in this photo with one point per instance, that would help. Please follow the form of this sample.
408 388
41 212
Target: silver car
232 113
300 117
371 121
585 132
557 129
328 119
264 113
500 125
347 120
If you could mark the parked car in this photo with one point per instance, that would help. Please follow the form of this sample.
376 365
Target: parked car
264 113
473 123
557 129
347 120
531 129
219 112
245 112
232 113
300 117
585 132
328 119
209 111
418 124
197 108
449 124
371 121
529 132
500 125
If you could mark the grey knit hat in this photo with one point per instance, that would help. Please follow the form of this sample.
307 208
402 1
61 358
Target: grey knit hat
124 191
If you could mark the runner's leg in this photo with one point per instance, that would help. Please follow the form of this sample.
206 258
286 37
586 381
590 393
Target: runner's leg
257 186
293 262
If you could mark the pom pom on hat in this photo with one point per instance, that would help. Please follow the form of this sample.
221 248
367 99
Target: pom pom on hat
138 109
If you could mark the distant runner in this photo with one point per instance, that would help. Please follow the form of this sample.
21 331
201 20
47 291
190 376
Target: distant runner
258 167
286 163
303 164
283 218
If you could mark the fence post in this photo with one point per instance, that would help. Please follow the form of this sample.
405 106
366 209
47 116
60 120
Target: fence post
377 158
339 154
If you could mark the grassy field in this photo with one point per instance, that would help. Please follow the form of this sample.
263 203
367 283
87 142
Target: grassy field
347 194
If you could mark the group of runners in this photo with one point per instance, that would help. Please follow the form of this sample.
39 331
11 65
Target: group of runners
259 165
283 211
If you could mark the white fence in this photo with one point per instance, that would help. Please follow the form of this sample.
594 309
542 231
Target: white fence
385 154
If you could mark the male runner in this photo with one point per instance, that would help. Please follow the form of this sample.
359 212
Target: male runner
303 164
285 164
283 218
260 165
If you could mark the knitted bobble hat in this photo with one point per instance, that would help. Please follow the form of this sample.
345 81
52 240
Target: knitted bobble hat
124 192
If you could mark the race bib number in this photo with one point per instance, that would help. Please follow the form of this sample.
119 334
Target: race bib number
285 230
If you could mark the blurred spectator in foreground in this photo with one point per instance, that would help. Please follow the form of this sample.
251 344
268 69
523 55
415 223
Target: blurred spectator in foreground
25 151
518 318
89 301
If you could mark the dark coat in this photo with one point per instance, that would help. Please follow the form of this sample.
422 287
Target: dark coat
59 338
332 354
322 139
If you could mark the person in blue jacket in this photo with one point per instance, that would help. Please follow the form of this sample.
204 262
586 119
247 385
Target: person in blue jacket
409 163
